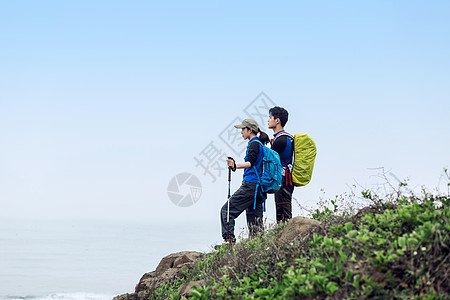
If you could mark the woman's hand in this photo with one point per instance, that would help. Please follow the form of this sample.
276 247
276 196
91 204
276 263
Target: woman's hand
231 163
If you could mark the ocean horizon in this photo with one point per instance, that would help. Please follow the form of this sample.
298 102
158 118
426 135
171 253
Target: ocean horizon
89 259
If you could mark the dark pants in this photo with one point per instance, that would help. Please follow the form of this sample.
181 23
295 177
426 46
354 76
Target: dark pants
283 203
241 200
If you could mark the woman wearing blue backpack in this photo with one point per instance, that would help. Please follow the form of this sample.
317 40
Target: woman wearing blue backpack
244 198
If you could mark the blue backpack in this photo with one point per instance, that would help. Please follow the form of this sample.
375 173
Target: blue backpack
272 174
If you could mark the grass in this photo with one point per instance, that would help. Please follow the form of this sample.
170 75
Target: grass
396 248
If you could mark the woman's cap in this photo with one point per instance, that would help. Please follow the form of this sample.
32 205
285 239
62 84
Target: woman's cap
250 123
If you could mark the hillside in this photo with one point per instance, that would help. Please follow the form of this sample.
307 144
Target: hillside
396 248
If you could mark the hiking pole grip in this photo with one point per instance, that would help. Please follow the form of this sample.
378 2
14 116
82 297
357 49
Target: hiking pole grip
233 168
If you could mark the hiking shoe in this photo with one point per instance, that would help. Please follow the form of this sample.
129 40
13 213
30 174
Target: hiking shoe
224 244
229 242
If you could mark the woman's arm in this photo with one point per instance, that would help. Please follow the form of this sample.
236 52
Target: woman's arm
253 152
243 165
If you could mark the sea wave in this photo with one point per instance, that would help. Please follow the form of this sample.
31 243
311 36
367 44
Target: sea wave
63 296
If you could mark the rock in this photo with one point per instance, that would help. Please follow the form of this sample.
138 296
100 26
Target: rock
186 288
170 268
298 227
176 260
125 297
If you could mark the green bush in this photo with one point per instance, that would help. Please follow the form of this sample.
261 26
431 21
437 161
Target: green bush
390 250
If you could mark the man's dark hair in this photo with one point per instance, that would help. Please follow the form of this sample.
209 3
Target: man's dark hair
279 113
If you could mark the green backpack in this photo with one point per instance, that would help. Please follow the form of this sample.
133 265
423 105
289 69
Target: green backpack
304 156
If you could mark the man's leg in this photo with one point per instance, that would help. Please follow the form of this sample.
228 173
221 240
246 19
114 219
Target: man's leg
283 203
239 202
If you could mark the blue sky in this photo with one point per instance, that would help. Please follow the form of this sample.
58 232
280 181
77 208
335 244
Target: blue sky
103 102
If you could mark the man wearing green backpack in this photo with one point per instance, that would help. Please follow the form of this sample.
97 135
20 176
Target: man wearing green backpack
283 144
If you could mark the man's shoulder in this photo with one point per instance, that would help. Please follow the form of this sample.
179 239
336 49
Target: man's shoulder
284 134
282 138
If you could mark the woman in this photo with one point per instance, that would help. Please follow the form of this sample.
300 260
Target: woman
244 197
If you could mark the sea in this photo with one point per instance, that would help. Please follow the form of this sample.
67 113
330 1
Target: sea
89 259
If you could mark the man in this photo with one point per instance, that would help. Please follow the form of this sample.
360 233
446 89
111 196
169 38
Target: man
246 197
283 145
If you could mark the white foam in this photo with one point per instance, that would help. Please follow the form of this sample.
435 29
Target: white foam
65 296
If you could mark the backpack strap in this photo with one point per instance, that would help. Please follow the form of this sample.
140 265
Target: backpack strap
258 185
258 189
291 137
287 172
284 133
256 141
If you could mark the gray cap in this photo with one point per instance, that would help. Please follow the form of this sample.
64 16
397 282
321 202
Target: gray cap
250 123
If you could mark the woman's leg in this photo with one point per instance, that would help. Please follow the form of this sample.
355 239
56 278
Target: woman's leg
239 202
255 216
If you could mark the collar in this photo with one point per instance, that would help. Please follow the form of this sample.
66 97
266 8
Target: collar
253 139
276 134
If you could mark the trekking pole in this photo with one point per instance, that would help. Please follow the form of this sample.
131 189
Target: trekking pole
229 187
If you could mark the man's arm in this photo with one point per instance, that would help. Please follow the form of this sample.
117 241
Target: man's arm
280 144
